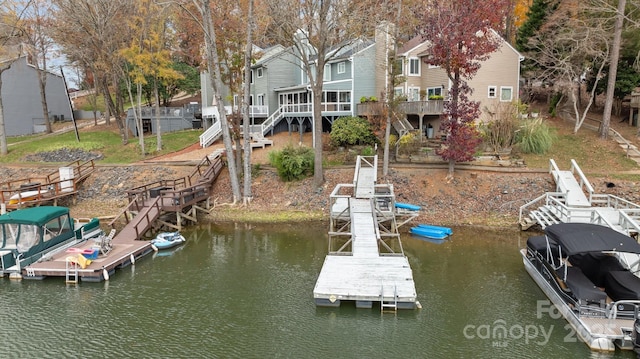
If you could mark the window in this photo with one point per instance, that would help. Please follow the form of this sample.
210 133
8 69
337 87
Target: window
414 66
506 93
251 77
434 91
397 92
260 99
259 72
342 67
413 94
493 92
327 72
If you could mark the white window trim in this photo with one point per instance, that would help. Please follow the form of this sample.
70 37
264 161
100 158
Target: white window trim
435 88
511 90
495 91
326 76
409 67
411 92
342 67
260 72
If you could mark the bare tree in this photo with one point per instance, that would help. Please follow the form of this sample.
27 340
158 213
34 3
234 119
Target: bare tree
92 33
317 31
573 44
215 74
613 69
36 27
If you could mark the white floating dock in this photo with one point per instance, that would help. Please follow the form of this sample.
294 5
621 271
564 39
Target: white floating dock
364 275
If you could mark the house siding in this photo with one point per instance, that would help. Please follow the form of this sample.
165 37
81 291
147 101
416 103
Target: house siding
22 108
502 69
364 68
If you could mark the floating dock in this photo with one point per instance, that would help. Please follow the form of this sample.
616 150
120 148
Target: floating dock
148 205
366 263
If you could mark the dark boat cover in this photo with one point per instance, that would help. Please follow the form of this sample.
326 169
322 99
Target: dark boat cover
583 289
576 238
621 285
542 245
596 265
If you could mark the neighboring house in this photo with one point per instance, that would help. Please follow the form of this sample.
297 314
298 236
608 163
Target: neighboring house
496 82
21 102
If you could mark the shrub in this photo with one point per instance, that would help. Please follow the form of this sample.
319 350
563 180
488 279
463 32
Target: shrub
436 97
408 143
292 163
349 131
534 136
368 151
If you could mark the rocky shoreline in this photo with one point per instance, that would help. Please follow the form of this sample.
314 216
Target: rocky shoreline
476 196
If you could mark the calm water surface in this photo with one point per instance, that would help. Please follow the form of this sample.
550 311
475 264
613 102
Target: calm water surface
236 291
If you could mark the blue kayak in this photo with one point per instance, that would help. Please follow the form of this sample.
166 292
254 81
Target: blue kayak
411 207
447 230
427 232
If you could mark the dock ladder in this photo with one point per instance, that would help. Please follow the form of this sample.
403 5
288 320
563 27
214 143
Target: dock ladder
71 272
387 304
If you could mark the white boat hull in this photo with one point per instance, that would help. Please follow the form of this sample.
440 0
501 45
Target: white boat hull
607 340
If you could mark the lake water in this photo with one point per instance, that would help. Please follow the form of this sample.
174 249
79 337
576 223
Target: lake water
239 291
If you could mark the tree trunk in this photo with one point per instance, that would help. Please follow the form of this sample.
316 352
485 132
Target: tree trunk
247 195
158 124
318 172
213 65
139 126
42 84
613 70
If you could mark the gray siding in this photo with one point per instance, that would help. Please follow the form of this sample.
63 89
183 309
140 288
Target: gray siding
21 99
364 69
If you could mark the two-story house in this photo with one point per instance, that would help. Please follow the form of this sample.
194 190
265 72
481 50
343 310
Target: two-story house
497 81
281 97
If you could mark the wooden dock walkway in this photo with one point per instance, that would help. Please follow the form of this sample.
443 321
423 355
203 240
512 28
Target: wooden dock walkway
368 264
179 199
50 189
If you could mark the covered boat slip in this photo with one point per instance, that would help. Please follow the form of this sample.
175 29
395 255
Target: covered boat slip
365 267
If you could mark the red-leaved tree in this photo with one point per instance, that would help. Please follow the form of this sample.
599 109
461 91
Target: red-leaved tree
462 35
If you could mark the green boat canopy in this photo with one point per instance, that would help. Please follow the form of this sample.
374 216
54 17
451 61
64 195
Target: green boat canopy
38 216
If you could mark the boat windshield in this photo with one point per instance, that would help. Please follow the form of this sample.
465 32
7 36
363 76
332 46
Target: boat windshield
29 236
57 227
10 234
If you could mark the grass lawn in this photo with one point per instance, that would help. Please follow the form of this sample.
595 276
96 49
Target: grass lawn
103 139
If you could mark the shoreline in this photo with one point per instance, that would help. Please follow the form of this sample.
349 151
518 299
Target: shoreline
477 197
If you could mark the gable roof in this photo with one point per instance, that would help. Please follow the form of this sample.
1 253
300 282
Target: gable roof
411 44
269 54
418 40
